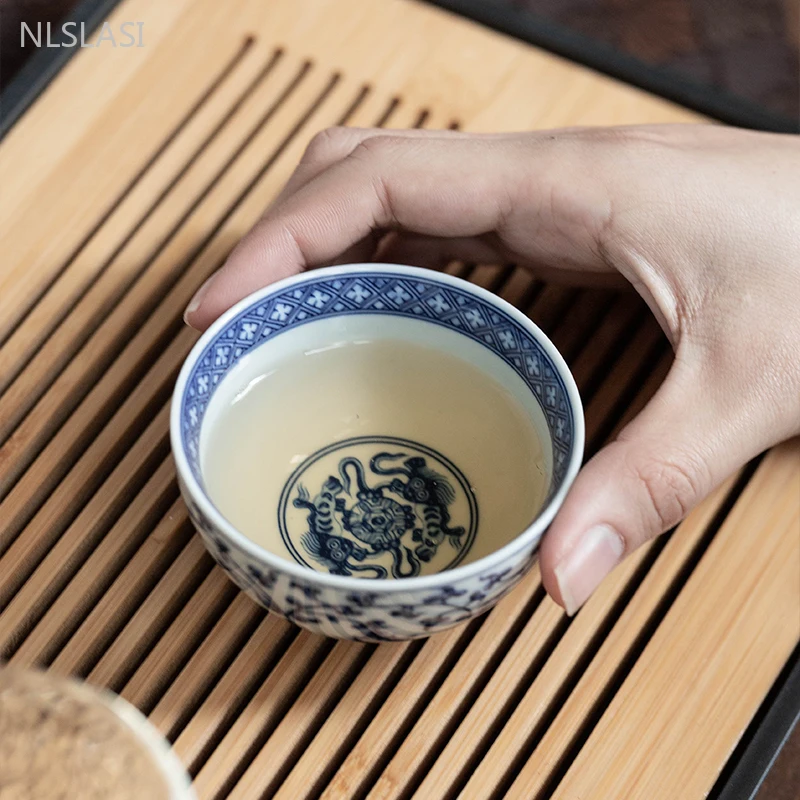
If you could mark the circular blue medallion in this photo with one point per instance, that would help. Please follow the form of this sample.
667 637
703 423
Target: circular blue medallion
378 507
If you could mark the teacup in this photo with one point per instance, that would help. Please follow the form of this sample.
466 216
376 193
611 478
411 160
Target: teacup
64 738
388 534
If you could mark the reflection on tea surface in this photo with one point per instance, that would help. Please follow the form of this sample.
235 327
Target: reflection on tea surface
376 459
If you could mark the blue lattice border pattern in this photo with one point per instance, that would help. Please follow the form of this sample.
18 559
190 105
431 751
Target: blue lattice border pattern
389 294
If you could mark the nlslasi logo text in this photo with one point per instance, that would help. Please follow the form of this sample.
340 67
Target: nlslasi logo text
126 34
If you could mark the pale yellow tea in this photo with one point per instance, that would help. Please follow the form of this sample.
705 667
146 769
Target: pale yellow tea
376 459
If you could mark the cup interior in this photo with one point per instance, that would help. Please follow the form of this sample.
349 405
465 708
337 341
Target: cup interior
404 495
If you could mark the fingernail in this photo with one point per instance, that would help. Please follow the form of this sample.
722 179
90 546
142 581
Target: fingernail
580 572
197 300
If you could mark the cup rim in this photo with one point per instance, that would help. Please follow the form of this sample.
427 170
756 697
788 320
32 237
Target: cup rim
528 537
179 784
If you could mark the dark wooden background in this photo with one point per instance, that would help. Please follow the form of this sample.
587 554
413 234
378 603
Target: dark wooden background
746 47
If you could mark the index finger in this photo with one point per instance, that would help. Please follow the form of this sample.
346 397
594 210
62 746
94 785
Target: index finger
541 195
426 186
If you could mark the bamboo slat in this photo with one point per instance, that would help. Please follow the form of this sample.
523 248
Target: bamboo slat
121 189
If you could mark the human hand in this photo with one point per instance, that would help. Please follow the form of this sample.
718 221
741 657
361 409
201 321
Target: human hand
703 221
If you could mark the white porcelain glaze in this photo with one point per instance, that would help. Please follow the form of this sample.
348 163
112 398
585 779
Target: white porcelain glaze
374 300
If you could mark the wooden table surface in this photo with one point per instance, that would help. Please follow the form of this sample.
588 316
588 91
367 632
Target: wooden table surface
121 189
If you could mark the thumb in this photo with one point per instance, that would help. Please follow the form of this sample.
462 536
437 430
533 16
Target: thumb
661 465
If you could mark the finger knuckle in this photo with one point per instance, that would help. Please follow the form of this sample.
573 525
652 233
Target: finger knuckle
672 486
327 145
376 147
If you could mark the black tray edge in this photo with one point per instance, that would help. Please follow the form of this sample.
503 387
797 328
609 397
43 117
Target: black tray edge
37 73
770 729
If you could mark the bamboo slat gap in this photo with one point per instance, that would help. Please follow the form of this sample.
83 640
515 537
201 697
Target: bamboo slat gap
70 298
368 110
595 347
98 569
12 418
370 114
84 524
213 658
302 720
521 289
730 493
114 664
622 338
551 305
202 735
172 322
422 118
465 270
484 275
126 594
503 279
353 107
531 296
492 277
649 386
636 362
346 722
653 364
206 94
592 358
261 716
383 119
586 318
468 638
173 650
34 523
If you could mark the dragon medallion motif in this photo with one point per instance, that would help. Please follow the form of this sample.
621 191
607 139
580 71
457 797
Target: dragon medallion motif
378 507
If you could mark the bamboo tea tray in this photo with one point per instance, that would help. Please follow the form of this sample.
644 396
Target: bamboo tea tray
121 189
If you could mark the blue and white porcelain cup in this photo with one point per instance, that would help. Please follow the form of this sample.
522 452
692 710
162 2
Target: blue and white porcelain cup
413 305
